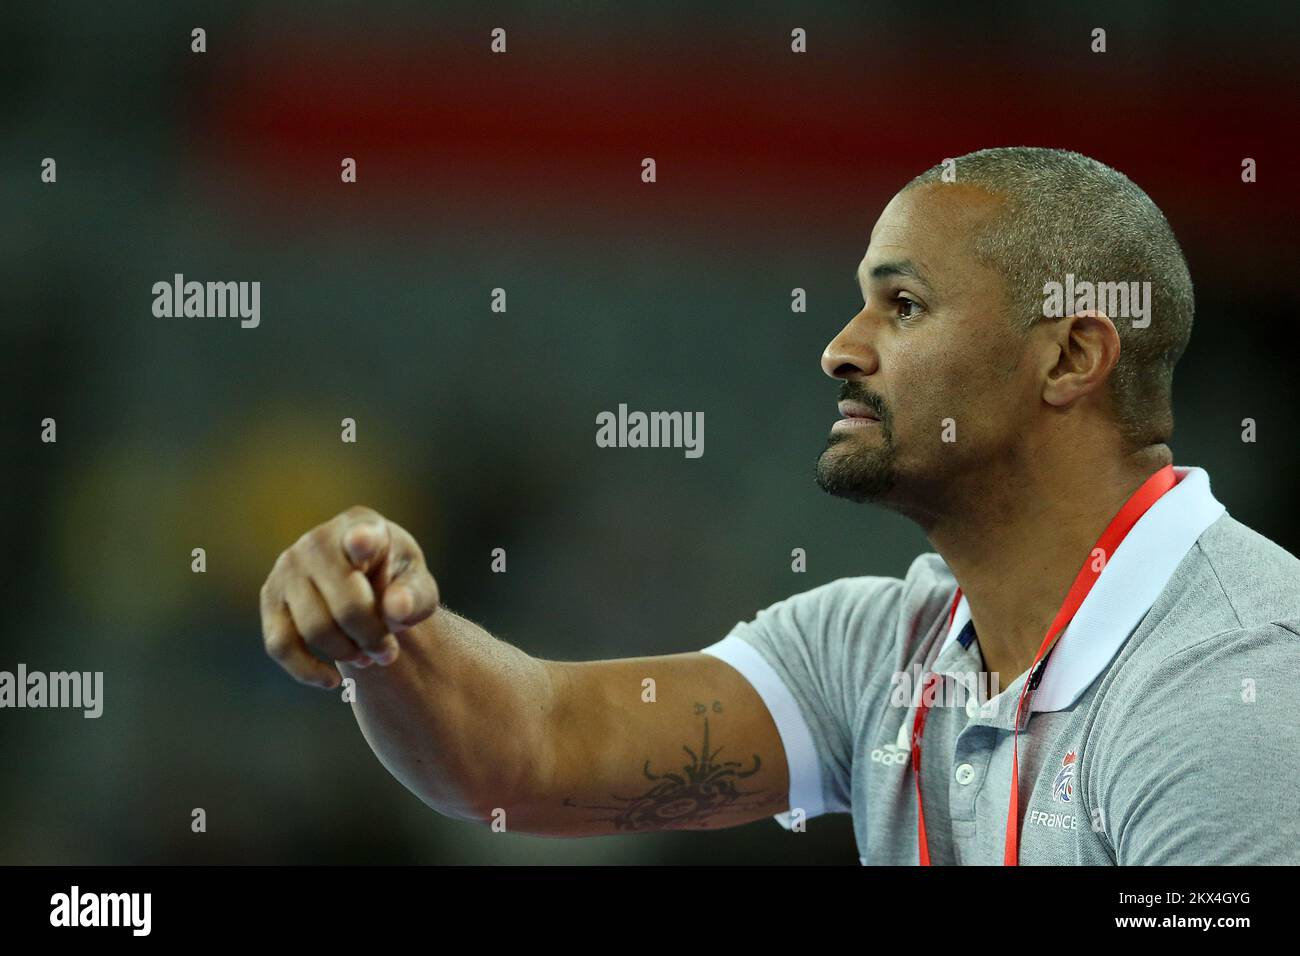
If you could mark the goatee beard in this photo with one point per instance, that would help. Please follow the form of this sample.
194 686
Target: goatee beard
864 475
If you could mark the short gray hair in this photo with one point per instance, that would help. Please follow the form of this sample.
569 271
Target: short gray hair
1063 212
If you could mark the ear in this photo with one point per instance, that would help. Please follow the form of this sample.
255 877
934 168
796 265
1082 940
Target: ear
1084 349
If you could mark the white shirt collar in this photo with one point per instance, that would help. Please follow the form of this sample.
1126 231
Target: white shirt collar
1125 590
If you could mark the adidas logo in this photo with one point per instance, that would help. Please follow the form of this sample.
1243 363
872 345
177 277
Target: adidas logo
899 752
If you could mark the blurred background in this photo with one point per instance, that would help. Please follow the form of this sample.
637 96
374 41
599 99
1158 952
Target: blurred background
476 429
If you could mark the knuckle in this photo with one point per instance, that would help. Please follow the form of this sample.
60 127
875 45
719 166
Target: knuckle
293 557
279 646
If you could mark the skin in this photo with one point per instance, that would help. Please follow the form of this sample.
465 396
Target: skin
480 730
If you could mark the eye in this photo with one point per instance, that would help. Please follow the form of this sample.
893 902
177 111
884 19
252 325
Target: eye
908 308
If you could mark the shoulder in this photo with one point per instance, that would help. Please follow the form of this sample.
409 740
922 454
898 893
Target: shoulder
1197 668
1202 700
1234 589
1255 576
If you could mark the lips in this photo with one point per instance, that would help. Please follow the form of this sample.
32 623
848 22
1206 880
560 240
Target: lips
858 410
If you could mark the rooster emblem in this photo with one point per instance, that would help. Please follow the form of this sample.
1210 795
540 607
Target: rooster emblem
1063 786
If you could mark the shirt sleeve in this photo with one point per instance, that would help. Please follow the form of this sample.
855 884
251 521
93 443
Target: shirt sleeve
1206 771
808 658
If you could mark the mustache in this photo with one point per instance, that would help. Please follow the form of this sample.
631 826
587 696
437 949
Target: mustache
857 392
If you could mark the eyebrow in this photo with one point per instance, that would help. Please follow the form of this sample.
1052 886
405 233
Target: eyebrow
900 268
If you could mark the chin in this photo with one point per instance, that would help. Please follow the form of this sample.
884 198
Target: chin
862 475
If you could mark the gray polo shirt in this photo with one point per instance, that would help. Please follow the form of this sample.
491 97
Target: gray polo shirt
1164 728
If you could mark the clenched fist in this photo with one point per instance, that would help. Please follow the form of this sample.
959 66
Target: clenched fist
344 590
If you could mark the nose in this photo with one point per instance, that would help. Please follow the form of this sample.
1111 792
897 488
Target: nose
850 355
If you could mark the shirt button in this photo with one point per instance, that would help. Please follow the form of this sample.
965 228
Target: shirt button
965 774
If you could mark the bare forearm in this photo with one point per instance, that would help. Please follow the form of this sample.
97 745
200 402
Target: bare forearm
471 724
458 718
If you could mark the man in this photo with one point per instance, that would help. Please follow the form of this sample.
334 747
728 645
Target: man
1139 646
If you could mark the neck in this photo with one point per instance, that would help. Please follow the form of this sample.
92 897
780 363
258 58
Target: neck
1016 542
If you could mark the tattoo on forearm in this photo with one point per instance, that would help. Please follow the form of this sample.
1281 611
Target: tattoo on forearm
705 787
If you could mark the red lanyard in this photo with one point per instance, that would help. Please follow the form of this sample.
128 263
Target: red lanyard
1133 509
